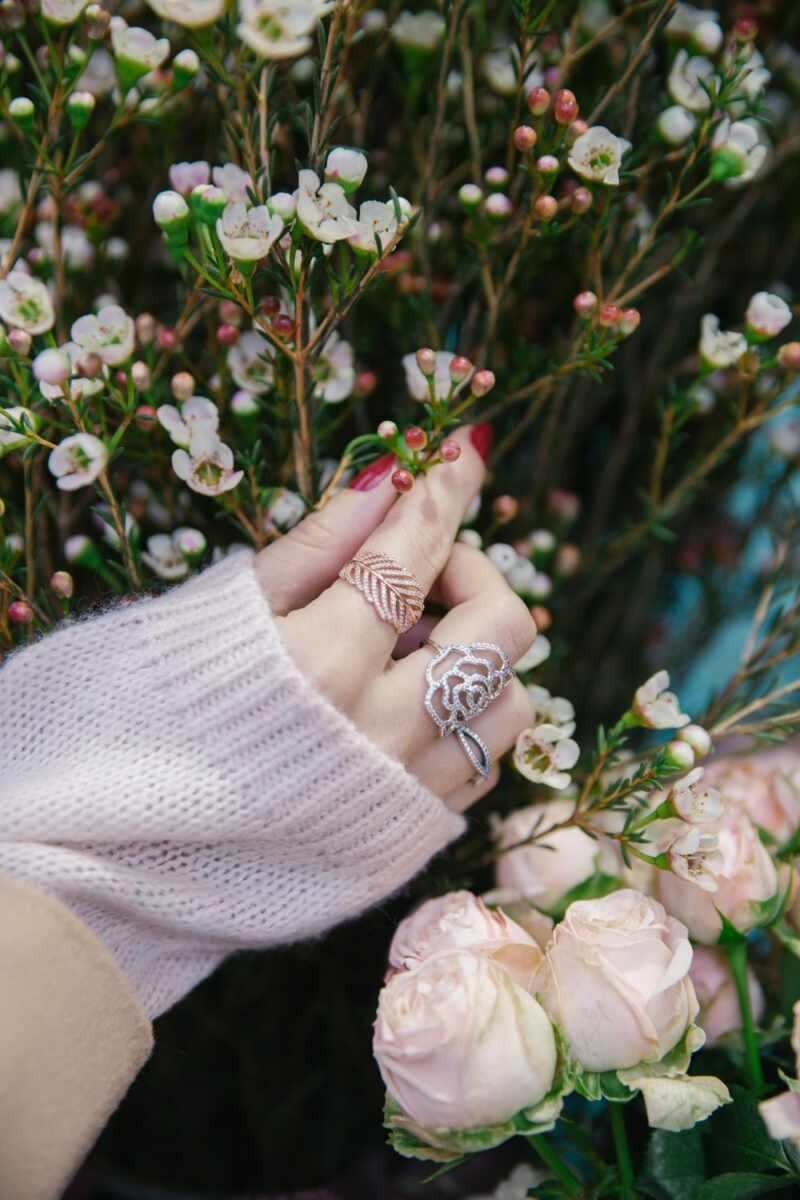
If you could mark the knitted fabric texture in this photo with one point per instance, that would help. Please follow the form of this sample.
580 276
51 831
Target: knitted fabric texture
169 774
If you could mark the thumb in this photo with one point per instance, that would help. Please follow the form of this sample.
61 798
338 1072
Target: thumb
306 560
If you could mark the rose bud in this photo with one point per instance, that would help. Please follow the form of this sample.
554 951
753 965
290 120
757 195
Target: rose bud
460 921
524 138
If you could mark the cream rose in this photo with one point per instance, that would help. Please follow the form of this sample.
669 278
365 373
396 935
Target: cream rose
540 875
616 979
461 1045
716 994
766 786
744 873
461 921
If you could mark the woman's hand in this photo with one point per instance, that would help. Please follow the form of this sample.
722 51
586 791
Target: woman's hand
342 645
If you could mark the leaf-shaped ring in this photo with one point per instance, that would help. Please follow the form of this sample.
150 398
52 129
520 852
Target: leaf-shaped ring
392 591
462 681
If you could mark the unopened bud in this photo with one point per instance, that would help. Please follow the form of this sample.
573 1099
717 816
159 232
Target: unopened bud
184 69
629 321
498 206
450 451
481 383
146 416
789 356
21 111
227 335
496 177
581 201
697 737
182 386
548 164
460 368
62 583
470 196
20 342
542 617
20 612
97 22
145 328
745 29
426 361
505 509
80 107
585 304
140 374
538 101
365 383
680 755
387 430
565 107
524 138
90 366
545 208
52 366
609 316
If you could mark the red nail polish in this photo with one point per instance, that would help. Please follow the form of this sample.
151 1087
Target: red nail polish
482 437
372 475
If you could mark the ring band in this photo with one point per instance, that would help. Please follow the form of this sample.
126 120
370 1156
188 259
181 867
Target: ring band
462 681
392 591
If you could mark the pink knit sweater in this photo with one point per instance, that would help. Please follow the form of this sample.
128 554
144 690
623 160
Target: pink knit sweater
168 773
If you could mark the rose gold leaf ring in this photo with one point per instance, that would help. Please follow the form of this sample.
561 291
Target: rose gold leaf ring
392 591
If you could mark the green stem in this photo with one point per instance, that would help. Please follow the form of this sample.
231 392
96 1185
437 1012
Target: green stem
549 1156
737 958
626 1187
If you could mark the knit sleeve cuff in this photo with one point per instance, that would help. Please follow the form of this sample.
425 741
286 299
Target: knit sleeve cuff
347 823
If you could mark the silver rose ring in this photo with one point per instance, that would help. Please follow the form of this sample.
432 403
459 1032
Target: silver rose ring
462 683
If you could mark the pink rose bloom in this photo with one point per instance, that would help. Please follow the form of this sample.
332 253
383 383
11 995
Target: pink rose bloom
744 873
765 785
461 921
716 994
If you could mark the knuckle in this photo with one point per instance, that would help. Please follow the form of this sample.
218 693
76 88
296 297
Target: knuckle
313 533
519 710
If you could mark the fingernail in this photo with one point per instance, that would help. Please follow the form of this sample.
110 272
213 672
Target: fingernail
482 437
371 476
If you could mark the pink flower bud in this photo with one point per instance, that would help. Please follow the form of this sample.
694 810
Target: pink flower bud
140 374
629 321
498 206
62 583
789 356
387 429
568 559
542 617
402 480
415 438
548 164
482 382
227 335
496 177
229 312
182 386
524 138
20 342
585 304
564 505
745 29
52 366
538 101
449 450
545 208
609 316
505 509
552 77
283 325
145 328
565 107
146 417
167 338
365 384
20 612
269 305
426 360
90 366
460 368
581 201
577 129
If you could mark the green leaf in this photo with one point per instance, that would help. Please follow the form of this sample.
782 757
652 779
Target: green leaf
738 1138
594 888
739 1186
675 1164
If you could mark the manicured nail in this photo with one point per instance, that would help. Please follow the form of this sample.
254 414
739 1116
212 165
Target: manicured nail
371 476
482 437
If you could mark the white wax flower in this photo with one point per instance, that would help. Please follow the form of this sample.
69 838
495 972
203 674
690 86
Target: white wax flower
285 510
279 28
461 921
616 980
544 754
138 47
744 874
720 348
110 334
676 125
250 363
186 176
685 19
597 155
753 73
179 423
284 204
555 710
346 167
739 151
233 181
207 466
500 71
192 14
11 420
524 578
324 210
62 12
716 994
79 388
77 461
52 367
656 707
419 31
460 1044
543 872
376 220
695 801
248 234
416 382
502 556
694 855
164 558
334 374
686 80
538 653
99 78
191 542
77 250
25 303
10 191
768 314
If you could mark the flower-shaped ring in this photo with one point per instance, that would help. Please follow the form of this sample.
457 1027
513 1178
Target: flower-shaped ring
462 681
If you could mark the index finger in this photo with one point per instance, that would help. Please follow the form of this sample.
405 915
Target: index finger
418 534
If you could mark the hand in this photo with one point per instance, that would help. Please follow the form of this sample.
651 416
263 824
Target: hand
339 641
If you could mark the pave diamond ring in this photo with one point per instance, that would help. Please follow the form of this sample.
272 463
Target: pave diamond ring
462 681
